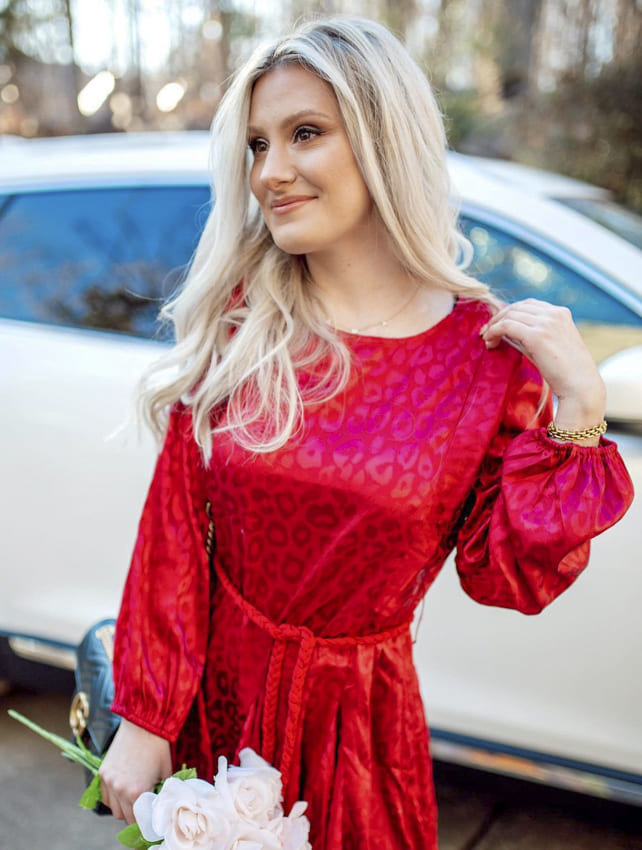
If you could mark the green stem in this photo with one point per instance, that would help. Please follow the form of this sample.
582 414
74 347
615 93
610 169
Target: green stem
77 752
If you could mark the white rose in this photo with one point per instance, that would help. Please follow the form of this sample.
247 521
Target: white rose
293 831
253 789
184 814
248 837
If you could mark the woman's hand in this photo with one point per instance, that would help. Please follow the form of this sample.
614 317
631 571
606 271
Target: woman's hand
547 335
135 762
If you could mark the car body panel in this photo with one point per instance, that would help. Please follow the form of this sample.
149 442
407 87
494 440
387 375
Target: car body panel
77 486
563 683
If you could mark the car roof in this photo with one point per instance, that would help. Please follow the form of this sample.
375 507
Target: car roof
508 192
537 181
104 159
523 212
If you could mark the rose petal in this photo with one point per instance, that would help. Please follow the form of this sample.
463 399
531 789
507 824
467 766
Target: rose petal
143 808
200 787
256 794
263 837
298 808
177 794
174 794
251 759
295 829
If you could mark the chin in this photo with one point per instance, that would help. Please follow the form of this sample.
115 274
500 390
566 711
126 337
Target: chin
293 245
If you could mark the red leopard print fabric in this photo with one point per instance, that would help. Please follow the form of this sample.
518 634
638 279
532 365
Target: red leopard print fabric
334 540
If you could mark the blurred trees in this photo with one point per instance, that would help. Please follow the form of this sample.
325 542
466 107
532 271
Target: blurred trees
587 128
552 82
51 49
570 100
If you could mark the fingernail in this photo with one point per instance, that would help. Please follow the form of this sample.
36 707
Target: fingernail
482 329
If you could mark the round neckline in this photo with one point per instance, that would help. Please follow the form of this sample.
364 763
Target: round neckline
349 335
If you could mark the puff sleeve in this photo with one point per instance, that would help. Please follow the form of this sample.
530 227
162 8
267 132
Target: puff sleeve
162 628
535 506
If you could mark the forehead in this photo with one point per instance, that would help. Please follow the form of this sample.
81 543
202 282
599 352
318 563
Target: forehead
289 89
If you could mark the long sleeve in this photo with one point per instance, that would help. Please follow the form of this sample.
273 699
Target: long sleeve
162 627
537 503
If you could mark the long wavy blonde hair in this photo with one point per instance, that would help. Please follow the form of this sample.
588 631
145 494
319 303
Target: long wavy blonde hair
246 319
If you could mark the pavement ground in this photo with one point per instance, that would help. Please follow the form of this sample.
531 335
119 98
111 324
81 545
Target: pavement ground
39 792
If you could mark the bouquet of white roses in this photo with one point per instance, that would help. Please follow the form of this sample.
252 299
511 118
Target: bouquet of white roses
242 810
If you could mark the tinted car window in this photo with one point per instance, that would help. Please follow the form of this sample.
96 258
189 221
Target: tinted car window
516 270
97 258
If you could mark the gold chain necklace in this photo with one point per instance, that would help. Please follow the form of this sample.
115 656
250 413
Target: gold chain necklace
383 323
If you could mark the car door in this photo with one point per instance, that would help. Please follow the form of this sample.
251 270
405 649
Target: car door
557 688
83 274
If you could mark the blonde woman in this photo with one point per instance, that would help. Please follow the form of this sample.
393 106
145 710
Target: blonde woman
342 394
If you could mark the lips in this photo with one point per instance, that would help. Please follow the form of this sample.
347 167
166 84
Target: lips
292 202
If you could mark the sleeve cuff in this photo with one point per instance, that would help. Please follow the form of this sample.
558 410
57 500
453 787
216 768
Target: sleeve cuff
144 723
605 447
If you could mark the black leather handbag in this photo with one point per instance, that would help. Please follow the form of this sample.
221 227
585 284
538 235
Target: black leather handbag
90 717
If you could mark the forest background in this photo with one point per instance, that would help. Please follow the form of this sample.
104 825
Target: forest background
551 83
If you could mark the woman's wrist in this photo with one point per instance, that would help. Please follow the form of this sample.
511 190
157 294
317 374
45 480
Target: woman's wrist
577 415
579 412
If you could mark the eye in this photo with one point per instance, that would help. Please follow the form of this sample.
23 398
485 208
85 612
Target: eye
257 146
305 134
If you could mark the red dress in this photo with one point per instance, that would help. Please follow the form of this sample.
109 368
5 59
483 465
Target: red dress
297 643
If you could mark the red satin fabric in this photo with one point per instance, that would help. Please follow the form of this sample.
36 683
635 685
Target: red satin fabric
339 535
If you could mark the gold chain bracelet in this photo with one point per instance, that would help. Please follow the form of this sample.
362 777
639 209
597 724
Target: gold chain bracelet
564 434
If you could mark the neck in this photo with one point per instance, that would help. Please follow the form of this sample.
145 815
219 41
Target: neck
362 284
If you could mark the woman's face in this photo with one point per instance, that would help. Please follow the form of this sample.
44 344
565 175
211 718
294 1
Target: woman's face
304 174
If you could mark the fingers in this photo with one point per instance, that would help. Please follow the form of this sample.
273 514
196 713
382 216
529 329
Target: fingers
511 327
127 810
546 334
511 341
135 761
106 800
525 322
532 313
119 798
534 307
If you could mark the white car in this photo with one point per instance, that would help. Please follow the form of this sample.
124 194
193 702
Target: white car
94 232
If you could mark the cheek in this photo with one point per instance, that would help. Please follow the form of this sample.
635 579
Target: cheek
355 197
347 178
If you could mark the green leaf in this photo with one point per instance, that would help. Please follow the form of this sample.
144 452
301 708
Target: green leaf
131 836
185 773
92 794
79 754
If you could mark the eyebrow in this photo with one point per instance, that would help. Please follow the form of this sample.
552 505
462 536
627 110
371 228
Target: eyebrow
291 119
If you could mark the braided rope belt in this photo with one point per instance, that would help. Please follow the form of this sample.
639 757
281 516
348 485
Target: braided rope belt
307 642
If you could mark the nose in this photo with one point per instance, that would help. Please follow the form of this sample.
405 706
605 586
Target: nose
277 167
